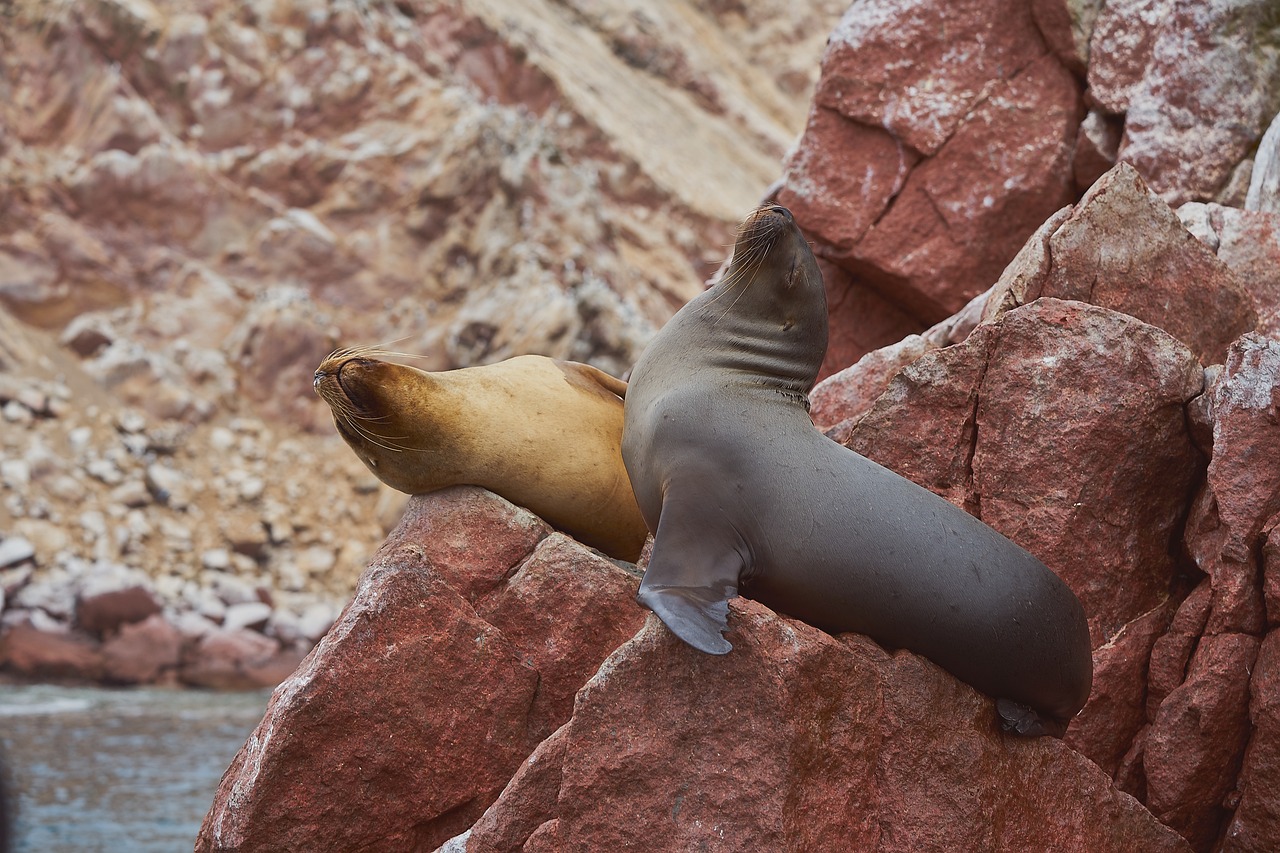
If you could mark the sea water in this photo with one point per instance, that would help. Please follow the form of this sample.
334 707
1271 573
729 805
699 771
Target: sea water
133 770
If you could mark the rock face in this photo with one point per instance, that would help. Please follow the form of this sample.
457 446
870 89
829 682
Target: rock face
920 178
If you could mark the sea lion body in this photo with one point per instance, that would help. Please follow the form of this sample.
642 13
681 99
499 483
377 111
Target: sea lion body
539 432
745 495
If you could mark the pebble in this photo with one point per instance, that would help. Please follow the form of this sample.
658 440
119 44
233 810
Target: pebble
14 550
16 413
15 473
249 614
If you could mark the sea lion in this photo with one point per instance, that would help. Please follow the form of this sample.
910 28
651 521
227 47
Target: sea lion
539 432
743 494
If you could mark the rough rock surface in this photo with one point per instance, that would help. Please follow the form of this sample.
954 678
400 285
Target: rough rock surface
943 134
439 679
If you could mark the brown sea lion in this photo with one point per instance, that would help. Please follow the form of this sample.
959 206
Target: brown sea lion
743 494
539 432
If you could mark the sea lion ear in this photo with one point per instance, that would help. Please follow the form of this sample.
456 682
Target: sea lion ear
692 574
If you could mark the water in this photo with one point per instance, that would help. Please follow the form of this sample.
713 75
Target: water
118 770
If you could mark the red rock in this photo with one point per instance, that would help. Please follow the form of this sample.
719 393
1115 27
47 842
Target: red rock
1171 654
1124 35
842 178
467 691
1245 470
565 609
860 319
1197 740
528 798
1117 708
993 116
409 694
957 51
469 536
1271 571
846 395
1061 425
142 652
104 612
230 660
1248 242
966 211
31 653
1125 249
795 739
1205 97
922 426
1255 827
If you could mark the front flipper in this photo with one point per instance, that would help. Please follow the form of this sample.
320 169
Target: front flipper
692 574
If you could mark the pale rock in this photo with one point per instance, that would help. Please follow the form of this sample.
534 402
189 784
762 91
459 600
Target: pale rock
249 614
1264 183
233 590
192 625
104 471
15 473
46 624
316 560
14 550
132 494
316 620
216 559
16 413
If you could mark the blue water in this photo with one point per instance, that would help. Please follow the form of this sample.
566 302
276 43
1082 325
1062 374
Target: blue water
118 770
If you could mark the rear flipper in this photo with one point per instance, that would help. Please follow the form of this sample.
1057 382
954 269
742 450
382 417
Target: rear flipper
692 574
1021 720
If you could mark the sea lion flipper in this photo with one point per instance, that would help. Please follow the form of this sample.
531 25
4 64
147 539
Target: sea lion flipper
699 616
691 576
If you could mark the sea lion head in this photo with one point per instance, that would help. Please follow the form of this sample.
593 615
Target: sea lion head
772 295
382 410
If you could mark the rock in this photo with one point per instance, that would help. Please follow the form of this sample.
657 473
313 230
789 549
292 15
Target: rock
15 550
1197 739
249 614
906 175
1015 423
1205 95
142 652
795 738
471 689
1249 243
1124 249
100 613
1255 825
232 660
31 653
1264 183
842 397
315 621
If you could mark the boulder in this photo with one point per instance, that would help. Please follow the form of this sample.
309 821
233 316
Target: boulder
142 652
462 649
795 739
103 612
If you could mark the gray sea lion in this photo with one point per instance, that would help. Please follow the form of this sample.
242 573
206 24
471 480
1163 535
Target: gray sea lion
541 433
743 494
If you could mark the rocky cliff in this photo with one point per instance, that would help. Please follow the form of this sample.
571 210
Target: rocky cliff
199 200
